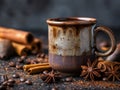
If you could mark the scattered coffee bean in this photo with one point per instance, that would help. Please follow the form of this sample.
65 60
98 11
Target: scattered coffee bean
11 80
23 57
19 67
104 79
36 61
54 88
69 79
45 60
22 79
38 55
32 62
3 87
28 82
40 60
46 56
21 60
10 84
28 61
4 83
42 55
12 64
45 72
15 75
3 78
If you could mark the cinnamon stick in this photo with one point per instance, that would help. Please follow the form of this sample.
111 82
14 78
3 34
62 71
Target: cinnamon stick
36 45
38 69
18 36
26 67
102 64
21 49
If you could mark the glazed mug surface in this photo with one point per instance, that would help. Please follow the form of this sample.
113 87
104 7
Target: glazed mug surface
72 42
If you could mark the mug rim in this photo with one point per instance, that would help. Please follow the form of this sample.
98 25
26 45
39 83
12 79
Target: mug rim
71 21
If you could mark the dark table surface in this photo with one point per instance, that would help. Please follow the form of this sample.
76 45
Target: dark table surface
77 83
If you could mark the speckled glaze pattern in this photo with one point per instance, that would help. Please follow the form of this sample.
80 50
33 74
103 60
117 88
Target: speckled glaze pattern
70 40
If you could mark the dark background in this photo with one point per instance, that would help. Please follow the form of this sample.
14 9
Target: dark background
31 15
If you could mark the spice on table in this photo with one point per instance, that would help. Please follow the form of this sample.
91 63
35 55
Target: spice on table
36 46
50 77
3 78
113 73
18 36
36 68
12 64
26 67
19 67
69 79
22 79
21 49
90 71
11 80
15 75
28 82
103 64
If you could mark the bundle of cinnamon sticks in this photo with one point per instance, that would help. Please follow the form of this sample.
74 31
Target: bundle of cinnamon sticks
36 68
22 41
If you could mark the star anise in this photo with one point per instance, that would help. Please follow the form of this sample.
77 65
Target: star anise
90 71
113 73
50 77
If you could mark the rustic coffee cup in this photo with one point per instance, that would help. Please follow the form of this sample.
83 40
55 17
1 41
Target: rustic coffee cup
72 42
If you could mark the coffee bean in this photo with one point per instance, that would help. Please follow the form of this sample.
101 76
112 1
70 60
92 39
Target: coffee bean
40 60
36 61
46 56
12 64
42 55
22 79
15 75
104 79
3 78
10 84
54 88
69 79
45 60
28 61
19 67
21 60
32 62
42 84
4 83
3 87
23 57
45 72
38 55
28 82
11 80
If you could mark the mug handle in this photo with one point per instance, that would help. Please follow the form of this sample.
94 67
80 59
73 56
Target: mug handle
112 38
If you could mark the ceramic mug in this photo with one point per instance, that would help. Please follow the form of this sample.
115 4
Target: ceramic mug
72 42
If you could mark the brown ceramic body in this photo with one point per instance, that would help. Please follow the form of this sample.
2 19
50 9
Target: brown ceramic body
71 43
